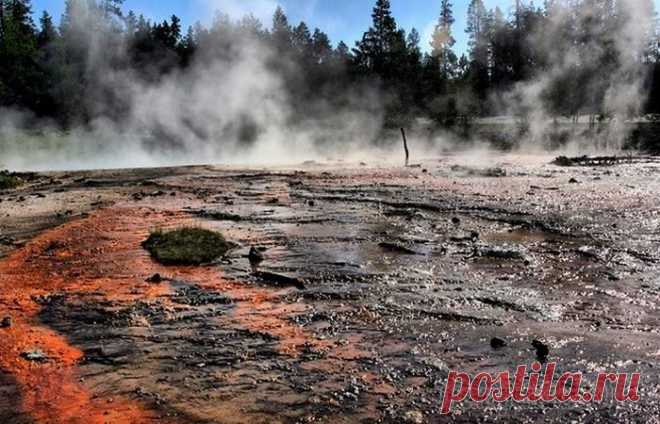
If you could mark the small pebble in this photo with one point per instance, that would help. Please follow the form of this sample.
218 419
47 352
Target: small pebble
6 322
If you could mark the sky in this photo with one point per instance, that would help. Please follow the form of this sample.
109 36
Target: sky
342 20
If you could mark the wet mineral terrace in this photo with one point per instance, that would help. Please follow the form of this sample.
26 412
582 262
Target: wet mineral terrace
375 283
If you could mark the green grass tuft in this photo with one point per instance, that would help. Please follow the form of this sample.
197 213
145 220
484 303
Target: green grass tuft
186 246
8 180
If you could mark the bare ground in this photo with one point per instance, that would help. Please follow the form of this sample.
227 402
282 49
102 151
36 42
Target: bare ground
375 282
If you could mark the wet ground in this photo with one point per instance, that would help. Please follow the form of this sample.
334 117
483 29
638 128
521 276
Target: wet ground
376 281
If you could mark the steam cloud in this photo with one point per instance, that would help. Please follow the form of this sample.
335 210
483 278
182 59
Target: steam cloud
233 110
237 110
627 37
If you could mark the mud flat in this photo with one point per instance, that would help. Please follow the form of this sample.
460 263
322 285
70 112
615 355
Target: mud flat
370 284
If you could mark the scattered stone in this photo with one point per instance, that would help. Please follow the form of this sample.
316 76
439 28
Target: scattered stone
279 279
155 279
141 195
494 173
455 221
6 240
94 183
573 181
219 216
542 350
36 355
602 160
197 296
589 252
311 203
406 213
6 322
107 355
497 343
255 256
413 417
497 253
488 172
397 248
562 161
535 187
472 237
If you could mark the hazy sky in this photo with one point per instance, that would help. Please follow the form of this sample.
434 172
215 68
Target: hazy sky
341 19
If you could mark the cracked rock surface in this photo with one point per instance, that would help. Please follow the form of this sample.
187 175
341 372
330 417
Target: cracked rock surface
371 284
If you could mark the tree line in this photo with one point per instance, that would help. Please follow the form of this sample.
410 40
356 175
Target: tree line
61 72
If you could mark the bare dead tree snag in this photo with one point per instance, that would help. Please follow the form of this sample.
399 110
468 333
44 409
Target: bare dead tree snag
405 146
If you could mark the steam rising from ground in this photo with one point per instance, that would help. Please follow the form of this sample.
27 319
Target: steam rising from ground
233 110
237 110
615 93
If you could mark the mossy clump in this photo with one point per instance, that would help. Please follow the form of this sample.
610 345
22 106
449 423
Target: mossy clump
8 180
563 161
186 246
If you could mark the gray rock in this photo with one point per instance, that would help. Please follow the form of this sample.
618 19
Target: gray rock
36 355
6 322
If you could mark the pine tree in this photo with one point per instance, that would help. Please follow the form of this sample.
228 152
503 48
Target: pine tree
343 49
111 8
20 14
463 66
384 26
131 22
21 79
414 72
175 32
414 50
251 26
477 30
48 32
73 16
281 32
503 51
343 55
321 47
2 22
377 50
302 39
442 42
4 90
74 26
